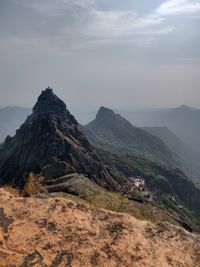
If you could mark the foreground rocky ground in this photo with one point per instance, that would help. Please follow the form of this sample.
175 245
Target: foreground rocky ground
61 232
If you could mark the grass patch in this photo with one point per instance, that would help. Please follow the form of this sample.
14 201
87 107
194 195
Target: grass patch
117 203
169 203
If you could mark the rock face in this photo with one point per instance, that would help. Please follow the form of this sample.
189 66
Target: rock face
49 135
75 184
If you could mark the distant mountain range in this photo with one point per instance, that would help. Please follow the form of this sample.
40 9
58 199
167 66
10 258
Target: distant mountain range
115 134
10 120
189 159
183 121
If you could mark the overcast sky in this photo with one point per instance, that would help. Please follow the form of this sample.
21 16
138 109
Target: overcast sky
123 54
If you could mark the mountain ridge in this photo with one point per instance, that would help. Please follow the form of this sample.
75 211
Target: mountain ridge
189 158
182 121
50 134
111 129
52 141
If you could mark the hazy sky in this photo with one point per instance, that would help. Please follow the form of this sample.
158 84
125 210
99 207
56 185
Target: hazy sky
117 53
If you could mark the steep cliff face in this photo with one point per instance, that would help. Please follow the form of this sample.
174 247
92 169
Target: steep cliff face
49 135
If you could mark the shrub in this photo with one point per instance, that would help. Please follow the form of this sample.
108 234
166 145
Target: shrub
34 185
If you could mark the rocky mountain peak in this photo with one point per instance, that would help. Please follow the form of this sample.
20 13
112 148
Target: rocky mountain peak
49 103
104 113
51 134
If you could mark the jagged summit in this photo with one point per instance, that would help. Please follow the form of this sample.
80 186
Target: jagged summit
50 134
106 115
48 102
104 112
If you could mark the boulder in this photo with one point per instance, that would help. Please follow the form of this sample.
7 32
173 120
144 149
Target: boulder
57 169
74 184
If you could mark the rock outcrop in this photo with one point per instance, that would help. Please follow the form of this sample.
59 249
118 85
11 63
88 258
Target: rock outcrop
56 170
49 135
61 232
75 184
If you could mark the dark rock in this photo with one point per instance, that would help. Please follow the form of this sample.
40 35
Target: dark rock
51 134
75 184
4 221
57 169
61 179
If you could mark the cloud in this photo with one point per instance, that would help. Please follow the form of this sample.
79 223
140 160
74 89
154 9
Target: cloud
82 21
54 8
119 23
178 7
85 17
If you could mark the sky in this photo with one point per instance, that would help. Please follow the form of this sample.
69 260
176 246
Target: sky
120 54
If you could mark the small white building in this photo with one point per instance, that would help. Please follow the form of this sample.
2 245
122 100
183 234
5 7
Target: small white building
137 182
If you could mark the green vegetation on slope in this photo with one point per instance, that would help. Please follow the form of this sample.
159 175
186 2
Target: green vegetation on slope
111 132
170 186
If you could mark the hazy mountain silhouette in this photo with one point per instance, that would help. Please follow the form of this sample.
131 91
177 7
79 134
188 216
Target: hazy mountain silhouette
189 158
183 121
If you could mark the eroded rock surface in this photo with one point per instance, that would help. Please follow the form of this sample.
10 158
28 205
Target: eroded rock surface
58 232
49 135
56 170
